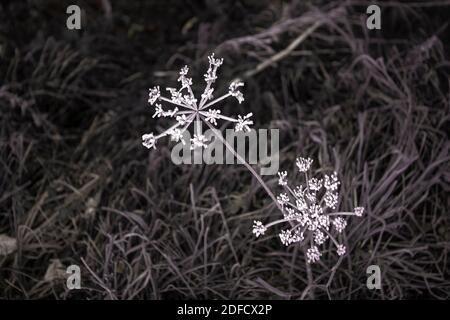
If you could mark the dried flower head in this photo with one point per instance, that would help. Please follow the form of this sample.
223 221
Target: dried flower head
313 254
188 109
309 210
304 164
282 178
258 228
359 211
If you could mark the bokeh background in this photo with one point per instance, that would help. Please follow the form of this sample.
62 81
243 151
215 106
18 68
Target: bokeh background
77 186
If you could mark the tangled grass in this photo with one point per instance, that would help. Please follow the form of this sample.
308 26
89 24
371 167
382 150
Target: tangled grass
77 187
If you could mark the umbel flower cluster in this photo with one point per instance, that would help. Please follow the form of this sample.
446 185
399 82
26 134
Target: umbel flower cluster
310 211
187 108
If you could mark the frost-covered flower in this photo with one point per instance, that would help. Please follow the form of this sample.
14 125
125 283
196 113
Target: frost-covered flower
212 116
331 199
282 180
340 249
315 210
182 120
310 210
311 196
301 204
324 221
285 237
304 164
290 213
176 135
185 81
288 237
319 237
315 184
243 123
359 211
199 140
258 228
153 94
283 198
339 224
331 182
208 94
210 75
188 109
234 90
148 140
159 112
313 254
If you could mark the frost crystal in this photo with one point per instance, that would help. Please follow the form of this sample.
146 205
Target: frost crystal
283 198
258 228
313 254
176 135
340 250
153 95
199 140
331 182
148 140
339 224
315 184
331 199
234 90
359 211
282 181
288 237
319 237
243 123
304 164
212 116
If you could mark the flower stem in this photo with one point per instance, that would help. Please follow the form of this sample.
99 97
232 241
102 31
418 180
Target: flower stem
341 214
214 101
248 166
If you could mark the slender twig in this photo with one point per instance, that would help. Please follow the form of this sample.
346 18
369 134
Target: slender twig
282 54
248 166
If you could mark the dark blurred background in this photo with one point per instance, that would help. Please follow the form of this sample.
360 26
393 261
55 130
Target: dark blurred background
77 187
